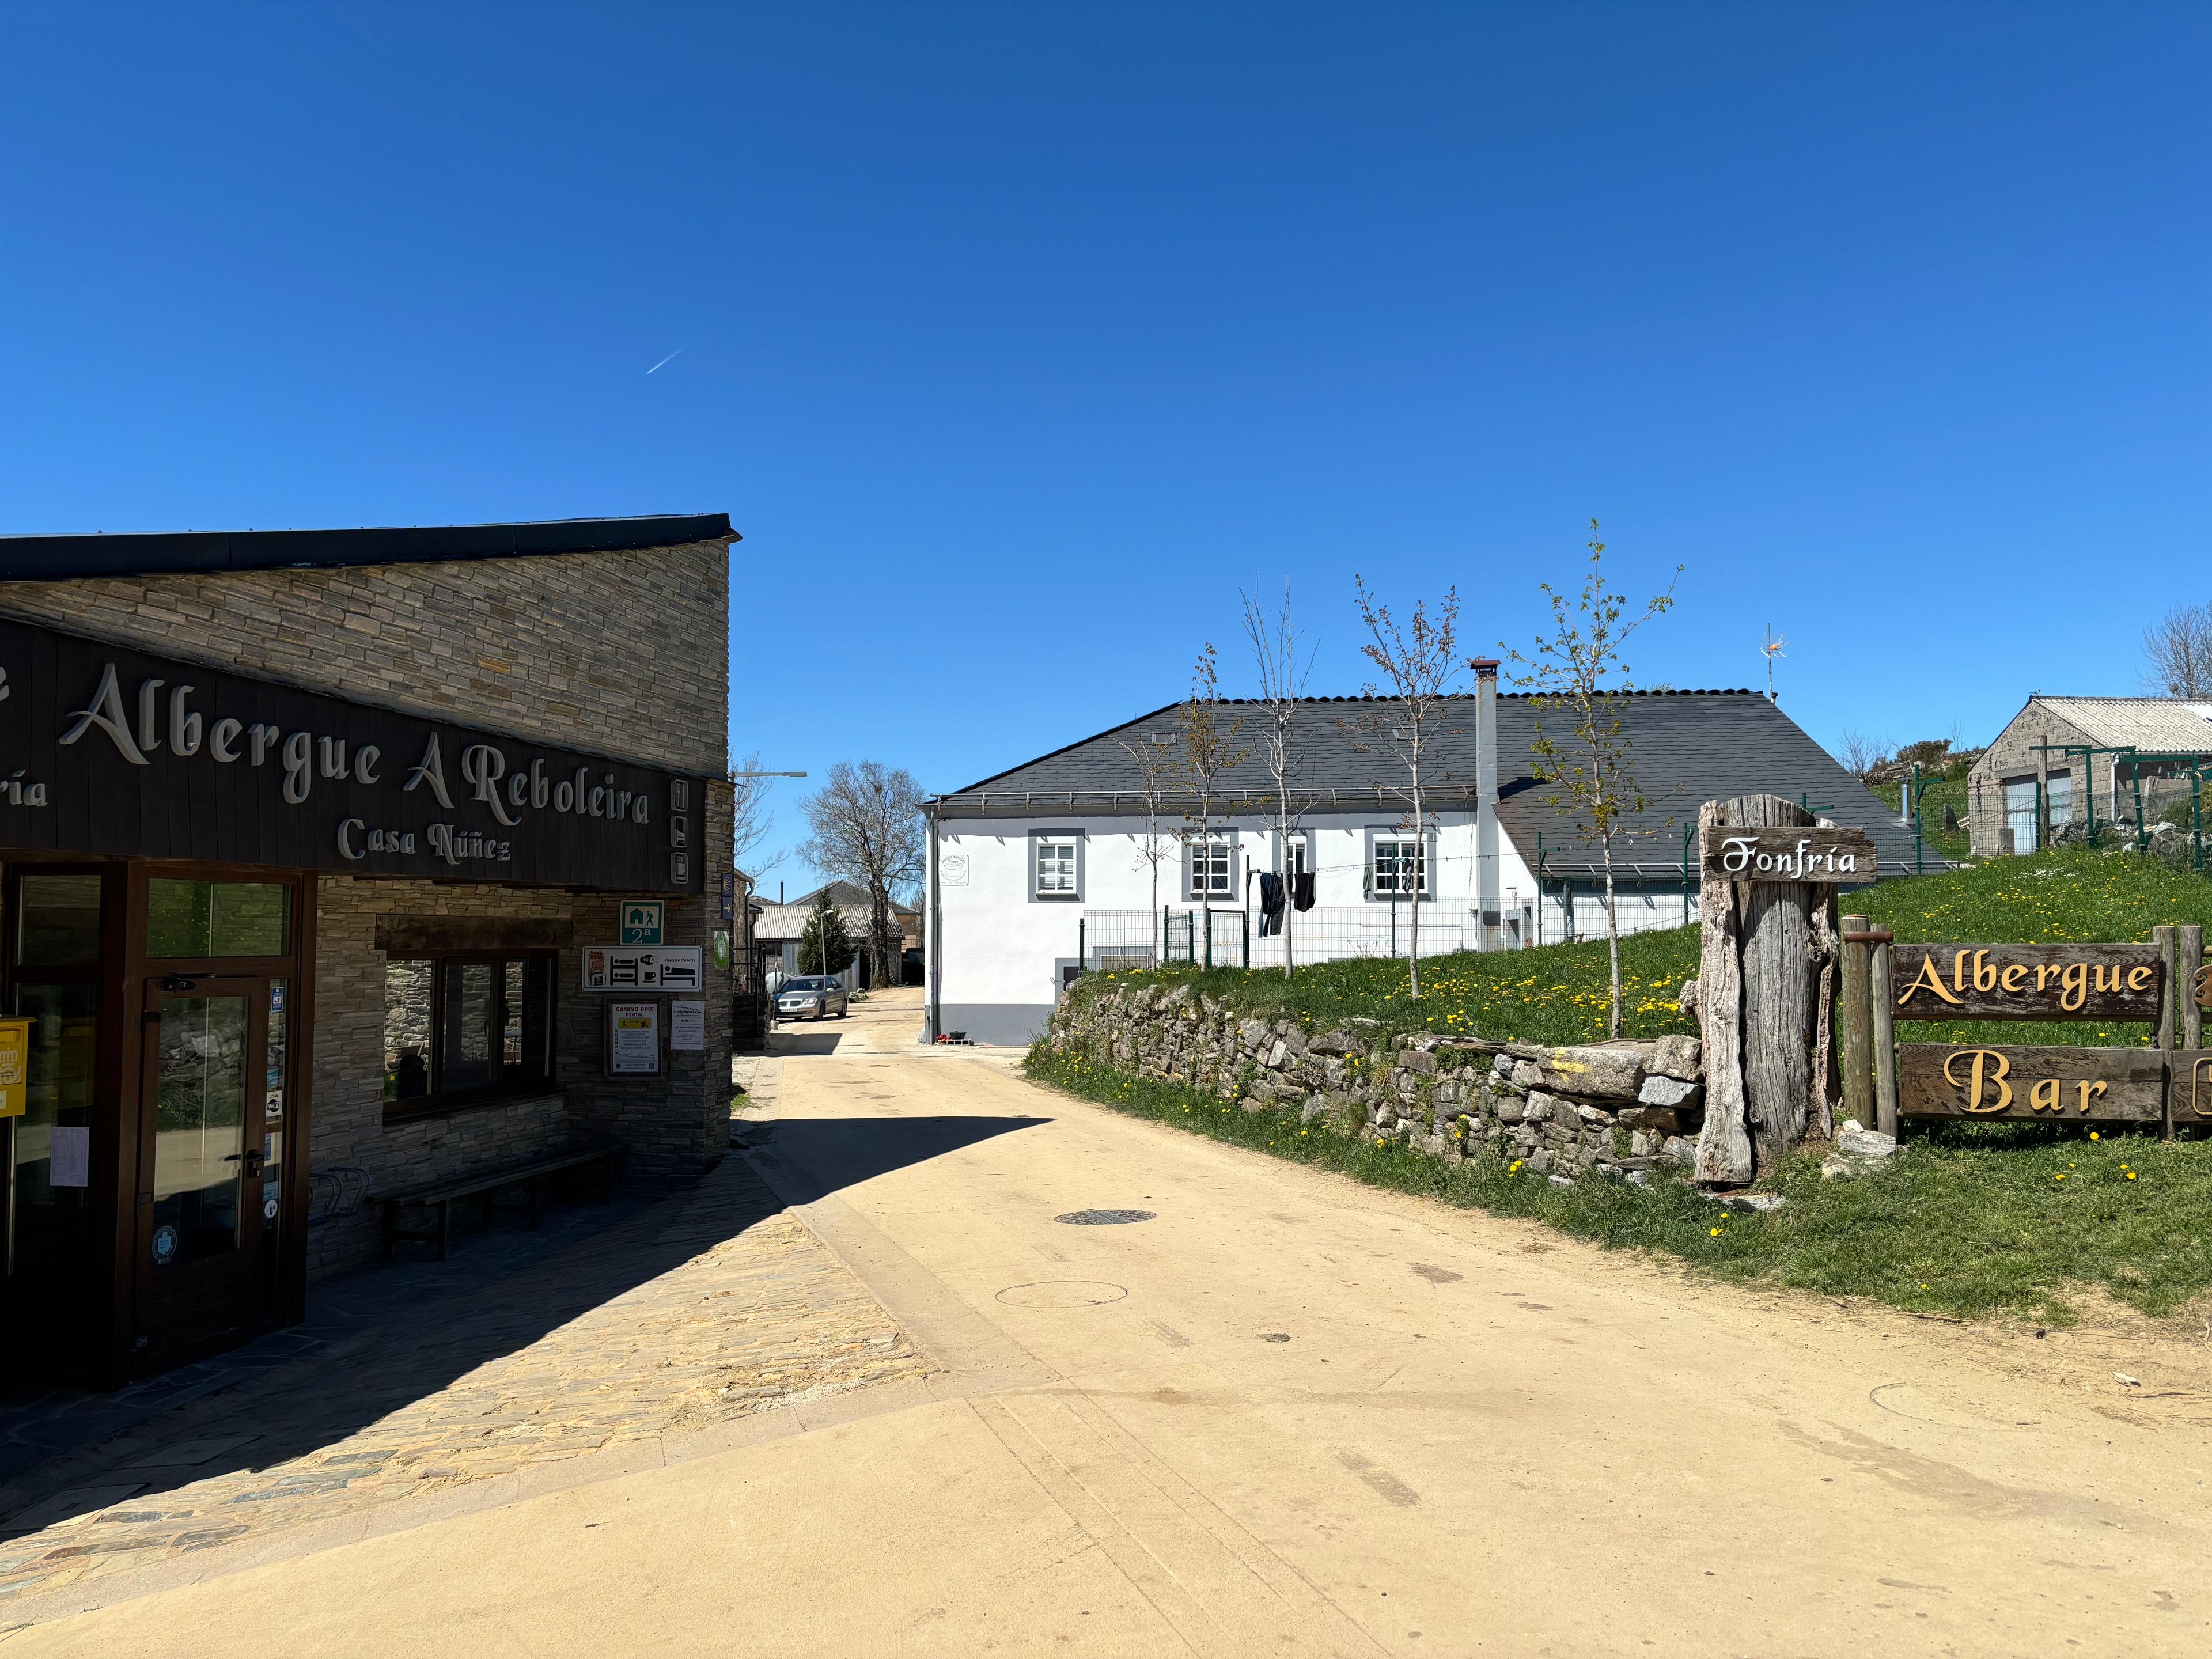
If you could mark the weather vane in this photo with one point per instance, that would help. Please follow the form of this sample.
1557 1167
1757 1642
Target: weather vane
1771 650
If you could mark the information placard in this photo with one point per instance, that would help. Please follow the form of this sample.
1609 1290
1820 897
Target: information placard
687 1025
14 1066
642 968
632 1038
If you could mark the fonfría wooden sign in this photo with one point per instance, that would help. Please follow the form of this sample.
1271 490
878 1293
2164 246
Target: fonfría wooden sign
1815 854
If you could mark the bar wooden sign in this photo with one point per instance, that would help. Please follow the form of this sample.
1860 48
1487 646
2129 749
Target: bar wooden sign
2028 981
2044 1084
2192 1086
1823 854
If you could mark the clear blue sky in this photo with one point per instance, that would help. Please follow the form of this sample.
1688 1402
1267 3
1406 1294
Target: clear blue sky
1016 338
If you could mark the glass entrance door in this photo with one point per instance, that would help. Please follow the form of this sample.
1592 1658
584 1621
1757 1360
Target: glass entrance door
205 1145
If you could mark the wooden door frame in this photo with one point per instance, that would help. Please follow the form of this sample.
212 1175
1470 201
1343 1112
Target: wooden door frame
287 1298
251 986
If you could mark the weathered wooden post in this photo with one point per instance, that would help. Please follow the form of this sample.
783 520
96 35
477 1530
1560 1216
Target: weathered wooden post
1881 994
2189 950
1767 977
1858 1026
2169 1023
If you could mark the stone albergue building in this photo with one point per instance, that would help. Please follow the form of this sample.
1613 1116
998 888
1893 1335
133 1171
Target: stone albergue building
334 864
2064 762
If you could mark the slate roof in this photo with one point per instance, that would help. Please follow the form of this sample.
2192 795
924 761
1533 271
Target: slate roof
2156 725
782 921
1689 747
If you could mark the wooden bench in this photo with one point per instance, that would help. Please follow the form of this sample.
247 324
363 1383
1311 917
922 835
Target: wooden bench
487 1184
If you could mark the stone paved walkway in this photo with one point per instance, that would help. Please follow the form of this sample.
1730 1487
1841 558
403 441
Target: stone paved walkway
677 1316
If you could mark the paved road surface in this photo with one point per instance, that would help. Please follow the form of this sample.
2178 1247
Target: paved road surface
1287 1415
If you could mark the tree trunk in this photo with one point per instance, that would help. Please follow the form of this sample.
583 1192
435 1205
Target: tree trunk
1766 965
1612 943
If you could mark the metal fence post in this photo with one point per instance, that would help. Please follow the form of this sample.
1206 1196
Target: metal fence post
1081 924
1245 918
1882 995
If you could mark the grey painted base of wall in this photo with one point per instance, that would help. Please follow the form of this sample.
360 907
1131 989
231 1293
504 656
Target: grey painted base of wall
1008 1025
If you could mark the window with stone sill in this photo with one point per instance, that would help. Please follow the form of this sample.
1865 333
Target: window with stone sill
463 1029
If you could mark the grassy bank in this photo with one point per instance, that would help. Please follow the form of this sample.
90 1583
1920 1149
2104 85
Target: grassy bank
1557 993
1954 1225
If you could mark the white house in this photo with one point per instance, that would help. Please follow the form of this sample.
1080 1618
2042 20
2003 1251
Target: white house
779 928
1040 873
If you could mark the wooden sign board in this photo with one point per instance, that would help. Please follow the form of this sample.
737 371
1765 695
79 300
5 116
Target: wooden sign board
2027 982
2204 986
1824 854
2191 1070
2035 1084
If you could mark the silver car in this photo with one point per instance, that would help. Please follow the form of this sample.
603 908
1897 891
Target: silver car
810 999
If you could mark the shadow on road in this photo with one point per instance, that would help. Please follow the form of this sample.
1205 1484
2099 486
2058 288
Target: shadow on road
377 1339
788 1041
810 1157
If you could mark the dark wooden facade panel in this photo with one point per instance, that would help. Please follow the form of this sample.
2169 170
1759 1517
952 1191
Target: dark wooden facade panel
113 793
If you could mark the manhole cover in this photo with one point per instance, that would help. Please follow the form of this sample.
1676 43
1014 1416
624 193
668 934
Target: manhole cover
1102 1217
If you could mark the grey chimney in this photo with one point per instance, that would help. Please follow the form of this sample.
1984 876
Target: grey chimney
1490 934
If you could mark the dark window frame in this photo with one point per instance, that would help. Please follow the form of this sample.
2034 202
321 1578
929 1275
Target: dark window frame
523 1085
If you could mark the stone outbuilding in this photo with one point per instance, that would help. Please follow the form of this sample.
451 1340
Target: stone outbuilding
2066 765
334 864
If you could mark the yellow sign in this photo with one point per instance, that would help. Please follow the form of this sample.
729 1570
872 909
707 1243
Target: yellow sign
14 1066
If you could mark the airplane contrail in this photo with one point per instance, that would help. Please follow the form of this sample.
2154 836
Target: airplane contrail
669 359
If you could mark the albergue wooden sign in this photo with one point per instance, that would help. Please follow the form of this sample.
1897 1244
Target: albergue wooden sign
2028 981
1824 854
2077 1085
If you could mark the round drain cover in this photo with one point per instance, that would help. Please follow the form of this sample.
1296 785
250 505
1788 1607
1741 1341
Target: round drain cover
1102 1217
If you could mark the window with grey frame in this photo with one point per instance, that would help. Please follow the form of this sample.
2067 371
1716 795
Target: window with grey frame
1397 865
1056 866
1209 868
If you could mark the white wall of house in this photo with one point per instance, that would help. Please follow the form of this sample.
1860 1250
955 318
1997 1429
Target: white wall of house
998 967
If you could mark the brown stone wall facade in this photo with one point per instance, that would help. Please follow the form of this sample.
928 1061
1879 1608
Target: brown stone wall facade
620 653
2014 755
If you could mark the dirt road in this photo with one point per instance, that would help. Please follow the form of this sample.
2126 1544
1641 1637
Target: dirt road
1285 1414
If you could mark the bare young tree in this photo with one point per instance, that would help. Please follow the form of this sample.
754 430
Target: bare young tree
2178 653
1155 846
1282 689
1863 756
867 826
1592 775
1206 752
1419 660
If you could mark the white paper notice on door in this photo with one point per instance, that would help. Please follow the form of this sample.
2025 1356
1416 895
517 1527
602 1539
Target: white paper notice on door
72 1158
687 1025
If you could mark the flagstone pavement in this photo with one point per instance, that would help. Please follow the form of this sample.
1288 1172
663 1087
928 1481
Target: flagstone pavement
655 1319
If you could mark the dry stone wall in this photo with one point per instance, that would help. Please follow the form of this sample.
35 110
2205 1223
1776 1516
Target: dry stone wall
1612 1109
